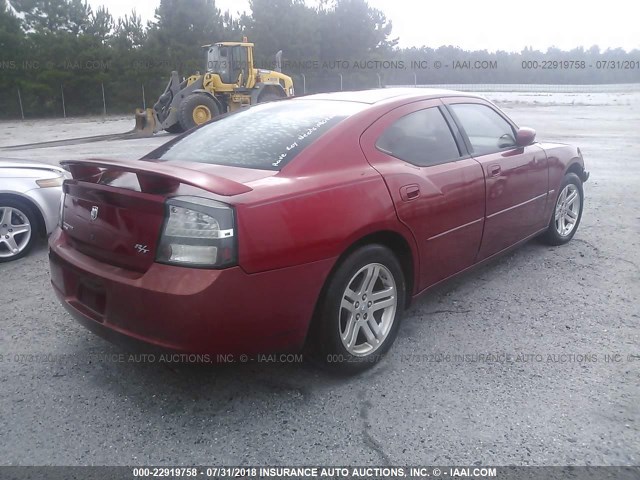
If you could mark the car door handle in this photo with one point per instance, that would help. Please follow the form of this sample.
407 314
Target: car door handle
494 170
409 192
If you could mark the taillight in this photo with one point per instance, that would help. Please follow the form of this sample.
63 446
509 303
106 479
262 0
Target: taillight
198 232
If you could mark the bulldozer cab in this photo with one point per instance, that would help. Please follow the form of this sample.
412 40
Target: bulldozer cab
233 62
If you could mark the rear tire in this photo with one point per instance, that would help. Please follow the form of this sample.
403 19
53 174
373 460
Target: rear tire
567 212
14 217
358 316
196 109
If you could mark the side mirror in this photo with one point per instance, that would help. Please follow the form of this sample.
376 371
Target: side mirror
525 136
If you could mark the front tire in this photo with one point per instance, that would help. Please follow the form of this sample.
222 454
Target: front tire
18 229
196 109
567 211
359 314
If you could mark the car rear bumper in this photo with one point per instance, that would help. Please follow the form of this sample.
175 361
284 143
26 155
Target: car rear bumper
186 309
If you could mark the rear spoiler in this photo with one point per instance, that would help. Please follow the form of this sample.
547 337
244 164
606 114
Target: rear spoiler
154 175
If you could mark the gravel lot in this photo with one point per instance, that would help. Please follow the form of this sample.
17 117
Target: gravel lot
558 328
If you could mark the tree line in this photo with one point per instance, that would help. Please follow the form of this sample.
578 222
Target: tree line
55 49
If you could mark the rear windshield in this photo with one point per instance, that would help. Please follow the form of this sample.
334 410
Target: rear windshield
265 137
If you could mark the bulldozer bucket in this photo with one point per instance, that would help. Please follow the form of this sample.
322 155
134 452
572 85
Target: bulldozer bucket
146 122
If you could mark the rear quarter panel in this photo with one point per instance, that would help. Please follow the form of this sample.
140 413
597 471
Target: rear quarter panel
328 198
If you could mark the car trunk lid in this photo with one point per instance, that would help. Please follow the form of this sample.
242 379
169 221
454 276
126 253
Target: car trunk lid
114 210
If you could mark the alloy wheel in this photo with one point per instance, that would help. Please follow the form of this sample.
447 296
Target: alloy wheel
368 309
567 210
15 231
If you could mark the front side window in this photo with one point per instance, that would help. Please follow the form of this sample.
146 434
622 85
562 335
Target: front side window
218 62
488 132
422 138
265 137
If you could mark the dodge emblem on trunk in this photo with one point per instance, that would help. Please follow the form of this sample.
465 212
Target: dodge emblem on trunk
94 213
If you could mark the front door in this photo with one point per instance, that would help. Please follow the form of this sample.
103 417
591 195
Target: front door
516 177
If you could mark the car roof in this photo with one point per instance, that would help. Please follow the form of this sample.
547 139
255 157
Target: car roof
382 94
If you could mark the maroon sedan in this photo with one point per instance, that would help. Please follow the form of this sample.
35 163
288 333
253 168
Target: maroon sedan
306 223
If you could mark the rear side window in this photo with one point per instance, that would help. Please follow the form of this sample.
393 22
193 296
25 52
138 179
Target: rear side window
422 138
488 132
265 137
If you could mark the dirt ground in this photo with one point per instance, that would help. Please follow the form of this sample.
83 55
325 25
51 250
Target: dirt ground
531 360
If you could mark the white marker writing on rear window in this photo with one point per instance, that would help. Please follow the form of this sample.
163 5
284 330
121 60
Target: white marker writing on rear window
302 136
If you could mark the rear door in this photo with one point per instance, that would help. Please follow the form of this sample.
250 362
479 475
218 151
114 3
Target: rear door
437 189
516 177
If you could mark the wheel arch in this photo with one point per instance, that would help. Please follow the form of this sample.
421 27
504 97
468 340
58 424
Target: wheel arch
266 88
31 205
395 242
399 246
576 166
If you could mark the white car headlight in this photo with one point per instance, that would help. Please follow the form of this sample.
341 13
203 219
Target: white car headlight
50 182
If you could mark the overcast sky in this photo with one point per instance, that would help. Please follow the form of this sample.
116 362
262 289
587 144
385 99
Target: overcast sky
481 24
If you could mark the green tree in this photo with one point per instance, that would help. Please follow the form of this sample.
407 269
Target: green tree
10 31
11 46
181 28
101 25
352 29
130 33
54 16
287 25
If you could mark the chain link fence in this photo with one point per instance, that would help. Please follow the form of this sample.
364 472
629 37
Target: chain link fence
67 100
106 98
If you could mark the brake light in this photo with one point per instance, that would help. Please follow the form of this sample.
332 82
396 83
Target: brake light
198 232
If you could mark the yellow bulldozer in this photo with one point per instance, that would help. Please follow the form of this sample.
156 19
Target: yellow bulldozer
230 82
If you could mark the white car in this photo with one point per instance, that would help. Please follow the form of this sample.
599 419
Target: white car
29 205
